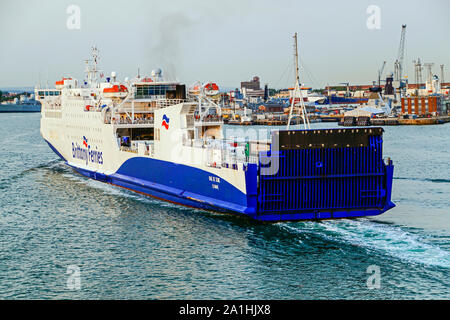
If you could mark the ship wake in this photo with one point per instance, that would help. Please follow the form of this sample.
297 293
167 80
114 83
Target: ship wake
53 165
424 179
387 239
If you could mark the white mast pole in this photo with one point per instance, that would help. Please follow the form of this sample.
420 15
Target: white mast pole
297 91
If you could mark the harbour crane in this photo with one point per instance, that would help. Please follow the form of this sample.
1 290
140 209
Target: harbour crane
398 65
380 73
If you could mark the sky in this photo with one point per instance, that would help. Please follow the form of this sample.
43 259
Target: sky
222 41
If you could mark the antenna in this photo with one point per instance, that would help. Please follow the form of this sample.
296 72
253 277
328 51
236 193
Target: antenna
297 92
91 70
418 73
430 72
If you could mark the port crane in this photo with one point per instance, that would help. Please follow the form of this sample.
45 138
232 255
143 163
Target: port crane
380 73
398 65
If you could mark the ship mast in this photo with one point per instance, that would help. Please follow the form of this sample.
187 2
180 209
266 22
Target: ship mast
91 70
297 92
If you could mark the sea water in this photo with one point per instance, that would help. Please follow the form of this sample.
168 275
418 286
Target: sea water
63 236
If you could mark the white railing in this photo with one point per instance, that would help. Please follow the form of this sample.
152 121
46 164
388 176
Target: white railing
208 119
128 121
224 153
162 103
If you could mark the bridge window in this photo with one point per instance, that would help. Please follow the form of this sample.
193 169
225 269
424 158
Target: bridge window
149 91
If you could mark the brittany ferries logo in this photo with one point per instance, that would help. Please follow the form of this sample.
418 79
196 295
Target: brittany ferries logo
86 153
165 122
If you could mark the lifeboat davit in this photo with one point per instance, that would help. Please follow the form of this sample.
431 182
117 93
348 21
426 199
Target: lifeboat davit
116 91
211 89
195 90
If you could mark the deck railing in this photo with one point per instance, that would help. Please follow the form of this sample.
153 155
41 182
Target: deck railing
224 153
209 119
162 103
136 121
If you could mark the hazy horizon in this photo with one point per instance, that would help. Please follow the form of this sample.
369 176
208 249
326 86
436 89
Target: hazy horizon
222 42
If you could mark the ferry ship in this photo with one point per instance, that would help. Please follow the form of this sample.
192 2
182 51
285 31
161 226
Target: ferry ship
148 135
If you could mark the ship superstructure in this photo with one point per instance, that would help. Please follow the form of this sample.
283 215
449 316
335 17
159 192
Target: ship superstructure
148 135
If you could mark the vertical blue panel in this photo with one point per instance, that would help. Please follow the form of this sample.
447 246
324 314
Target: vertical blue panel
326 179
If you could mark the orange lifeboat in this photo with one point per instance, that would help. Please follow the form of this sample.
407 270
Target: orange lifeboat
60 84
211 89
116 91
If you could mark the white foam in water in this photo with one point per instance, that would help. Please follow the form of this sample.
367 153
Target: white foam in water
107 188
392 240
114 190
118 191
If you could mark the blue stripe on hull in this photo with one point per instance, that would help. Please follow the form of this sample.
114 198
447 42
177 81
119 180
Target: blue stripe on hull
184 182
170 182
163 193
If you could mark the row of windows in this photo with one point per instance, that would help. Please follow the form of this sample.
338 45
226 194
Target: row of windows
92 141
86 115
49 93
50 114
90 129
153 90
82 128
